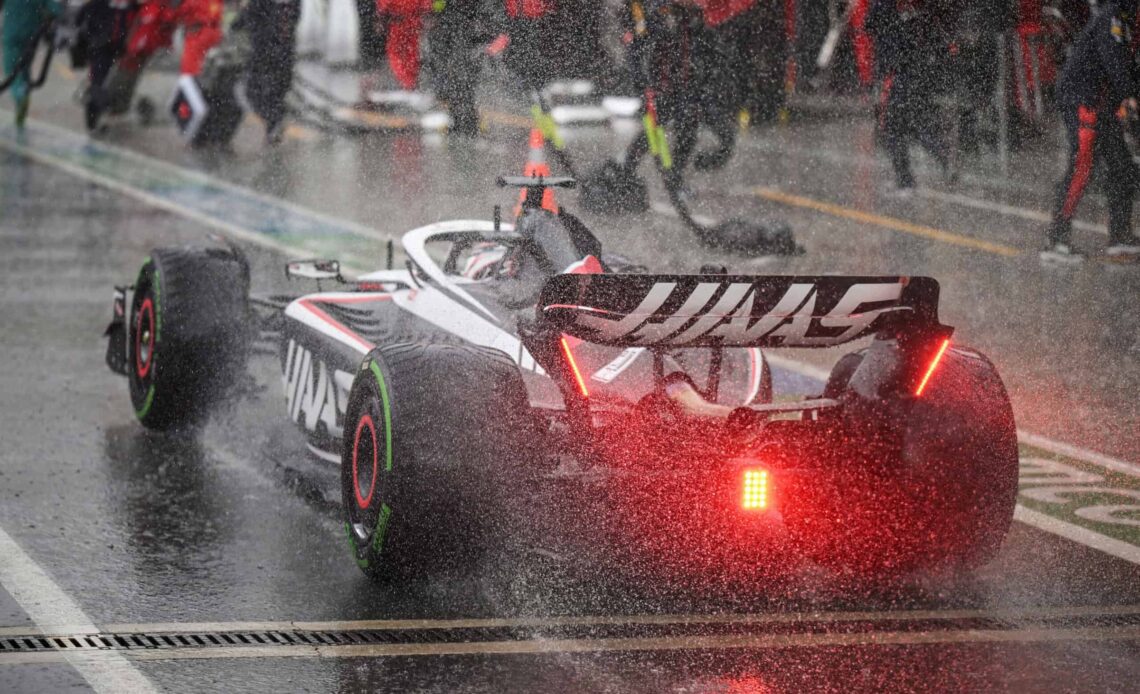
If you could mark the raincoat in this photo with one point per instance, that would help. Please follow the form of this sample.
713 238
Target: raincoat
405 24
22 21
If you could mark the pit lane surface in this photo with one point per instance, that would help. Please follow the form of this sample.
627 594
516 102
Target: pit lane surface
142 534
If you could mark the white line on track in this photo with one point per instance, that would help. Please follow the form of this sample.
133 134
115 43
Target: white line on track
1111 546
1004 209
205 179
46 603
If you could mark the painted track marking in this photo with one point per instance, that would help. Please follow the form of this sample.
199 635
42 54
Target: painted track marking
892 223
1004 209
46 603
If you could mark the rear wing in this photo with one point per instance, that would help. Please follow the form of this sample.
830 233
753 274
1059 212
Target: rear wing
738 310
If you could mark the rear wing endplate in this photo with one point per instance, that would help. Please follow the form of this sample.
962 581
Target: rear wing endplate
737 310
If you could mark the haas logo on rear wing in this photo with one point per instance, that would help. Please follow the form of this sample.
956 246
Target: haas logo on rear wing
735 311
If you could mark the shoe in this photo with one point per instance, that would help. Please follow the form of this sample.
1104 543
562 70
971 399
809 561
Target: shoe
1062 254
22 112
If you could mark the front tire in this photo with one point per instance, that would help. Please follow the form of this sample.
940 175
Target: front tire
187 333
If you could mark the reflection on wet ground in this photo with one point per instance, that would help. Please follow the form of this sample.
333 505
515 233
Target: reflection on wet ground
236 525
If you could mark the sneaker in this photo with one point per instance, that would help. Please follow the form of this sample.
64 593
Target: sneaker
1063 254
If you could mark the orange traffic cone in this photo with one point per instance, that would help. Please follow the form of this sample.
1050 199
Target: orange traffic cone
536 166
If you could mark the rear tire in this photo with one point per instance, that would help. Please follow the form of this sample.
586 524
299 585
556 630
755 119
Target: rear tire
435 436
937 494
187 335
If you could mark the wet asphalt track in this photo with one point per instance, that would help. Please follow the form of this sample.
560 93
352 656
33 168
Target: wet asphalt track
229 532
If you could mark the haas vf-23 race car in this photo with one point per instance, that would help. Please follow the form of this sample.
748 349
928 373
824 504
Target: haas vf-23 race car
515 370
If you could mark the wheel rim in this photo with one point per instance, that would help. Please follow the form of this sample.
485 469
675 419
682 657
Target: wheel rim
365 471
144 338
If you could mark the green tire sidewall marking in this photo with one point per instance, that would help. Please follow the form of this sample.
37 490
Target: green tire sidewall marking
385 516
142 412
381 528
361 561
387 414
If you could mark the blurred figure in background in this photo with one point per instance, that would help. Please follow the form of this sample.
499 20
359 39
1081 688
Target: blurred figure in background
373 40
201 22
461 28
105 26
721 62
405 22
555 40
1096 90
686 57
662 65
272 27
23 20
911 42
977 61
371 35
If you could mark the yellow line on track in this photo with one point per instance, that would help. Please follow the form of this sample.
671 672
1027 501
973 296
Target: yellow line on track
300 132
511 120
892 223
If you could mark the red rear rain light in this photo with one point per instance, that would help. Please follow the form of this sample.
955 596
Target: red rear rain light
755 490
574 368
933 365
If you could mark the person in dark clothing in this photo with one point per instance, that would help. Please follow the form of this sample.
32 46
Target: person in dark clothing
373 35
105 25
909 41
459 30
977 39
721 63
1096 87
666 56
272 27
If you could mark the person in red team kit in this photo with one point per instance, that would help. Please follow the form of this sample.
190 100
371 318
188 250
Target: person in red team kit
1095 91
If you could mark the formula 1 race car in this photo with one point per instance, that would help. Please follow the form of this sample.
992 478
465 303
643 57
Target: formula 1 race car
517 370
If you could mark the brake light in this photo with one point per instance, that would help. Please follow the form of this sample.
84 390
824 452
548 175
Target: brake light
933 365
755 490
574 368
